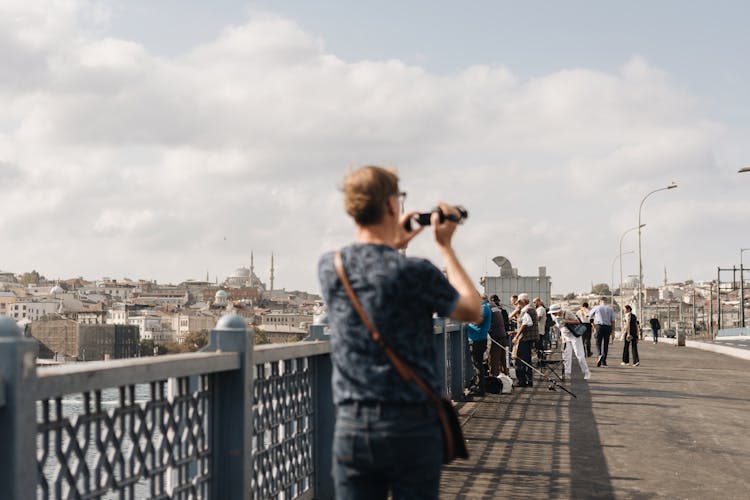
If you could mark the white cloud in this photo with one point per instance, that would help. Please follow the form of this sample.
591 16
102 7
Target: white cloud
165 168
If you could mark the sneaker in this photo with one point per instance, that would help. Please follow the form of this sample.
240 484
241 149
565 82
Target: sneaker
637 363
599 361
587 375
623 363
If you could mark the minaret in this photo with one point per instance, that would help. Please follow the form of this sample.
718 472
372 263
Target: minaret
208 280
252 266
271 272
665 275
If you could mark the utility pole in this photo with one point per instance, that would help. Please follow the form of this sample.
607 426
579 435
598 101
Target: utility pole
695 319
742 289
718 302
711 310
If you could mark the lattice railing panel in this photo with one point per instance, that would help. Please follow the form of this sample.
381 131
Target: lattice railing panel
130 442
283 429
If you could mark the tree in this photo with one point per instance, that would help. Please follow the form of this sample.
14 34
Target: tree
32 278
195 340
260 337
601 289
148 347
570 296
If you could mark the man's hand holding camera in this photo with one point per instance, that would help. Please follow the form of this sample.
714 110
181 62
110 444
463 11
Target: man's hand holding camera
404 235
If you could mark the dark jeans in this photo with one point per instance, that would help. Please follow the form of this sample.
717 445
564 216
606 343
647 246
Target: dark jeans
587 340
394 447
656 335
630 344
523 373
602 342
477 348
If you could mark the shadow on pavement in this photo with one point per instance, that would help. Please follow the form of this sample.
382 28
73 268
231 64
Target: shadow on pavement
590 475
533 443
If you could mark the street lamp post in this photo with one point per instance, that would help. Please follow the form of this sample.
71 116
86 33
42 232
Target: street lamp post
621 238
742 278
612 276
742 289
640 258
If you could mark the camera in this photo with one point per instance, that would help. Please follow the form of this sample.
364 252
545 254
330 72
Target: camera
423 219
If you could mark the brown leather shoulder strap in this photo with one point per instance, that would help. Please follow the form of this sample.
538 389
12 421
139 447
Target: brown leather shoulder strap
406 372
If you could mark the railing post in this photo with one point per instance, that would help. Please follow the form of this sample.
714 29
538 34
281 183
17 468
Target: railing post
457 354
324 419
18 471
232 411
467 370
441 354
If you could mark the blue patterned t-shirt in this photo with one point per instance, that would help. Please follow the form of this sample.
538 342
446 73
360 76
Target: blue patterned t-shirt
399 294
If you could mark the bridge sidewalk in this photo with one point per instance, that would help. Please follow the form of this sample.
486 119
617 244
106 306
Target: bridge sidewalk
674 427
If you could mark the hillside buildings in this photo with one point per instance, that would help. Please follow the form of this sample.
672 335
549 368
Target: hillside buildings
78 319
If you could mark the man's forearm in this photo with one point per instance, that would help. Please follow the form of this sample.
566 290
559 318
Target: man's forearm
456 274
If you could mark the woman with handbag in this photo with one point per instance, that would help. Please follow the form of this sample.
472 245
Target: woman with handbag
390 420
571 331
630 337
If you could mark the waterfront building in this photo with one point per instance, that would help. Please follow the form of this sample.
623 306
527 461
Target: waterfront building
64 338
188 322
511 283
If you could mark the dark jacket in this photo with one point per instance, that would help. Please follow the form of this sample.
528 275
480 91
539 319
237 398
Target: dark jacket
497 325
655 325
633 325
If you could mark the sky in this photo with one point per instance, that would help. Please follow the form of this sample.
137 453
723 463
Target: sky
166 139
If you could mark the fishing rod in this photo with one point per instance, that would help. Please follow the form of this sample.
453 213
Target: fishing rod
553 384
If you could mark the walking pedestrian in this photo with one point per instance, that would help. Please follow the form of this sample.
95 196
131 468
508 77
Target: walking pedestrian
604 321
655 327
630 336
583 315
387 437
572 344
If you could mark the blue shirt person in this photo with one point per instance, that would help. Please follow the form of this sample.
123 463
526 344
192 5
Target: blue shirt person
477 334
604 321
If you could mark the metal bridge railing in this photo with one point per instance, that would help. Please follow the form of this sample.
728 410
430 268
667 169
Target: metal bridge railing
231 421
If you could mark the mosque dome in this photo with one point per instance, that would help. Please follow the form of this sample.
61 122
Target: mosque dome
242 272
56 290
221 295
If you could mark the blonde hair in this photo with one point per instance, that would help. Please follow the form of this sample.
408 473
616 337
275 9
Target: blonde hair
366 192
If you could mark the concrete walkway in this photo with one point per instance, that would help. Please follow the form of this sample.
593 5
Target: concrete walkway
678 426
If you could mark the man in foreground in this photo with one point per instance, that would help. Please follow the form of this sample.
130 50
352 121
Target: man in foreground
387 437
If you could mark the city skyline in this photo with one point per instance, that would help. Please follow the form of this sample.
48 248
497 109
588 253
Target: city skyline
133 146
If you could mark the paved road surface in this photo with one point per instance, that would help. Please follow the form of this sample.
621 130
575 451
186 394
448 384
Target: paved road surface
739 343
678 426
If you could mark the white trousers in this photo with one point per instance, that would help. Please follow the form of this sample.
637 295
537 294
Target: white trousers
573 345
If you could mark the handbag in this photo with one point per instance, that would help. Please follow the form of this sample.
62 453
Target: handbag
454 444
578 329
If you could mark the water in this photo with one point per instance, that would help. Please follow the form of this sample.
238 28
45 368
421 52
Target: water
126 425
